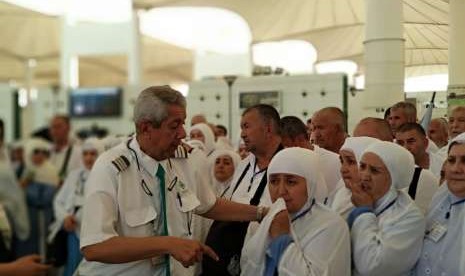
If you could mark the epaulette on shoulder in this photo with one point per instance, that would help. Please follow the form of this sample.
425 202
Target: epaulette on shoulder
181 152
121 163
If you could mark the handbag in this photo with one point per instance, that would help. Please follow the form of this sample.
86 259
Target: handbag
57 250
226 238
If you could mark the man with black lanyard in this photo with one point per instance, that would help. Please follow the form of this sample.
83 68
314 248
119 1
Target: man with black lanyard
65 155
139 203
261 135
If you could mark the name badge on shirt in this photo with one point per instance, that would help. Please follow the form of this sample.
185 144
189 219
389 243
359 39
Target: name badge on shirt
186 199
436 232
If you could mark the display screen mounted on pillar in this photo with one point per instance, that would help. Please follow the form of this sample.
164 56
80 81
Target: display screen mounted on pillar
96 102
249 99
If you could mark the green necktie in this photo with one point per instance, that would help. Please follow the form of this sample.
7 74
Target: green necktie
161 177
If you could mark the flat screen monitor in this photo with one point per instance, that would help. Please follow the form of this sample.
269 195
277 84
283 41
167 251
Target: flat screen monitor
96 102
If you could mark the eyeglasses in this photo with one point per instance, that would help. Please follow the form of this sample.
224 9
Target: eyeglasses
38 151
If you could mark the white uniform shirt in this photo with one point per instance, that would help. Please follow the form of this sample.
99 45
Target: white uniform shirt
442 247
388 244
116 205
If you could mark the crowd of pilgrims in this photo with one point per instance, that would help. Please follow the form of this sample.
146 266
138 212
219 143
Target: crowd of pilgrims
386 200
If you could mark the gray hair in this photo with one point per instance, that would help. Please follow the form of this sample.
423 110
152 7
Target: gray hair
151 104
458 109
443 124
409 109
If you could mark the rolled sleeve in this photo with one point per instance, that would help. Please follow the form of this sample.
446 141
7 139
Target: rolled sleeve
100 211
99 219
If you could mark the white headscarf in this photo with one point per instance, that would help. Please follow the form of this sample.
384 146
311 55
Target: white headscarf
35 144
459 139
93 144
208 136
399 162
196 144
301 162
47 173
220 186
357 145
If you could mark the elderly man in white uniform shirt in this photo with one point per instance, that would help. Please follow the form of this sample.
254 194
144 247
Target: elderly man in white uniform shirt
386 227
136 217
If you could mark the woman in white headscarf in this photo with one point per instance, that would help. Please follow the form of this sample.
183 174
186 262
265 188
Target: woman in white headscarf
13 202
299 236
40 180
222 166
39 169
386 225
350 155
443 248
69 200
204 133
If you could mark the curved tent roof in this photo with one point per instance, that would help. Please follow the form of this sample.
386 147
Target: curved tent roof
334 27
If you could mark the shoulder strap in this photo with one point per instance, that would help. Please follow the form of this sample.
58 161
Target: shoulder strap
240 178
261 187
65 162
412 190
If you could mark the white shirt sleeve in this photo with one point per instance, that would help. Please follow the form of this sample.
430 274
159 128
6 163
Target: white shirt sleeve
100 212
65 195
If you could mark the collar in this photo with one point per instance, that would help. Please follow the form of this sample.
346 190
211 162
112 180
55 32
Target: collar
253 159
453 199
385 200
148 163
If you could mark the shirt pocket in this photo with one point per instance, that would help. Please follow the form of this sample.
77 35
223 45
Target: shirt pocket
140 216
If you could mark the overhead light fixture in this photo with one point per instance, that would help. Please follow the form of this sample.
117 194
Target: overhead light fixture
293 56
201 29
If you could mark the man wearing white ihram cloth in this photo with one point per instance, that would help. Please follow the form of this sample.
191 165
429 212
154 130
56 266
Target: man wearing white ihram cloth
299 236
386 225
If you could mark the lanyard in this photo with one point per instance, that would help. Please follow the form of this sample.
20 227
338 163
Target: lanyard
387 207
80 185
255 174
304 212
452 204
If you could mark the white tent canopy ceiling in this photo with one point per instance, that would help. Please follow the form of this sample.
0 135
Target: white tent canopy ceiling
335 28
